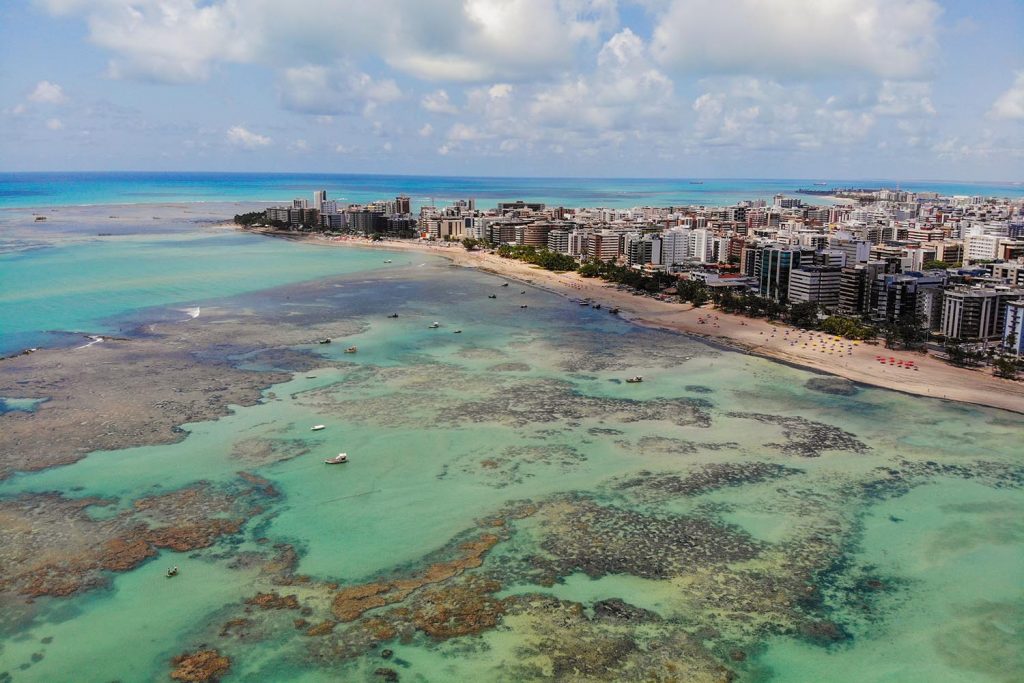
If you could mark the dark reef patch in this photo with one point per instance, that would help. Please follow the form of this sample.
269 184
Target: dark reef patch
515 464
648 546
805 438
836 386
710 477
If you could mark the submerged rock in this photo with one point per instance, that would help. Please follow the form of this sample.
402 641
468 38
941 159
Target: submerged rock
837 386
200 667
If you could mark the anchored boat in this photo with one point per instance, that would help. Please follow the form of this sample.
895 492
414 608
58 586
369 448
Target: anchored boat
339 459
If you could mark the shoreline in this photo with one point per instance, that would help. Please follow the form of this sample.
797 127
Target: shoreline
814 351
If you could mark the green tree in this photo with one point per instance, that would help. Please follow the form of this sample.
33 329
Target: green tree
804 314
251 218
1005 367
936 265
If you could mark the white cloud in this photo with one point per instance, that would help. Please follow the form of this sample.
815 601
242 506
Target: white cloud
336 89
753 113
499 90
459 40
438 103
1010 105
243 137
792 38
299 145
905 99
46 92
625 91
461 132
426 131
54 124
342 149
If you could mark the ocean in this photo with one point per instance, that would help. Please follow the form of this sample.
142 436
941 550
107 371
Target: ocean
512 509
65 189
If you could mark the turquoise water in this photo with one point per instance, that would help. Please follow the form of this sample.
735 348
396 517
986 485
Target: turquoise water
77 286
882 532
62 189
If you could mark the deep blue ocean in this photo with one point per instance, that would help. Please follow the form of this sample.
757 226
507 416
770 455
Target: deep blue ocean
68 189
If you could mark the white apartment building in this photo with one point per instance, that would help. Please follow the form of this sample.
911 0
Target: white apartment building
701 247
675 246
817 284
1013 330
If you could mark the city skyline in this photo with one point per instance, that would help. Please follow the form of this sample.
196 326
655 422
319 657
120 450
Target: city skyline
914 89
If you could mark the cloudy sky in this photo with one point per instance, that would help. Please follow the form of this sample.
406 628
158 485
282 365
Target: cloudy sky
928 89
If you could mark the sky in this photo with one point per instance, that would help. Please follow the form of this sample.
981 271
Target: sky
895 89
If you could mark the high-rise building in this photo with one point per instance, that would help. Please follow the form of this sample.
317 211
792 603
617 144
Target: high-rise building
895 296
403 204
977 314
319 197
1013 328
558 240
773 269
675 246
855 287
819 284
604 245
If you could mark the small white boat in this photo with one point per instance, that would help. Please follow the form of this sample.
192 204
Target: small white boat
387 260
339 459
316 428
635 380
351 349
435 325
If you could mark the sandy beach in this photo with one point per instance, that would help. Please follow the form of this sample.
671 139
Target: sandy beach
859 362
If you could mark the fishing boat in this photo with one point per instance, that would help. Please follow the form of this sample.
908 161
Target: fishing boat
316 428
351 349
457 332
492 296
635 380
325 340
393 315
523 306
505 285
434 325
172 572
387 260
339 459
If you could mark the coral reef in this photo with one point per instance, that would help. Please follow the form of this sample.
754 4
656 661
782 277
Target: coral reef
806 438
200 667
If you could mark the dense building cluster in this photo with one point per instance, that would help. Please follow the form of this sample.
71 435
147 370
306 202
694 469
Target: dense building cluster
392 217
952 266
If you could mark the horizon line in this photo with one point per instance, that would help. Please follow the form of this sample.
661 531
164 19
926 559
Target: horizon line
515 177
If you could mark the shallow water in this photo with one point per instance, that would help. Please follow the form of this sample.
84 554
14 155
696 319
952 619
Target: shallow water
749 522
78 286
